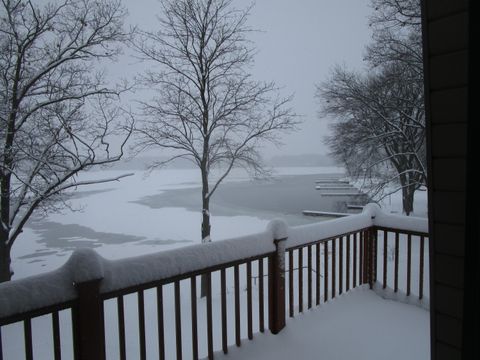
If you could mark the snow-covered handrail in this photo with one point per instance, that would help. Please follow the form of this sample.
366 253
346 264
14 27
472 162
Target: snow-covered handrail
372 215
400 222
120 274
52 288
56 287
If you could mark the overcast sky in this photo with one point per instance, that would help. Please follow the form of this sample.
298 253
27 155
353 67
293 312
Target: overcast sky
301 40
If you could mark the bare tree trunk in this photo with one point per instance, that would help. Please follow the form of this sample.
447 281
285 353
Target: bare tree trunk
205 224
408 193
206 221
5 272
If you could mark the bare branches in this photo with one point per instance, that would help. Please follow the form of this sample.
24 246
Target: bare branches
396 14
380 130
58 115
208 108
397 34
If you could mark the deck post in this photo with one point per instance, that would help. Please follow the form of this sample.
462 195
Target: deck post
276 287
88 322
366 257
371 252
87 271
369 257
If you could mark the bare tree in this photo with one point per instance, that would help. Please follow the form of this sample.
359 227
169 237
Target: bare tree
397 34
57 114
380 129
208 108
396 14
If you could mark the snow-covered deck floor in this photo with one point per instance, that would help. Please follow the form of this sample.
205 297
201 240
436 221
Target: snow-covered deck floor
357 326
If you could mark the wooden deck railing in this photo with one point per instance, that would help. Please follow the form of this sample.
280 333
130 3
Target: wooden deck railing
319 271
334 265
110 309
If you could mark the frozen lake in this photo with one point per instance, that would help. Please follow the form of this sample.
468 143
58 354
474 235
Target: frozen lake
148 213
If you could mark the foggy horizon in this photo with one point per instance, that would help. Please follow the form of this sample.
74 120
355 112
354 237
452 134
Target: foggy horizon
297 44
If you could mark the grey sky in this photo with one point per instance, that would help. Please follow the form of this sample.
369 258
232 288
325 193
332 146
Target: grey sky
301 40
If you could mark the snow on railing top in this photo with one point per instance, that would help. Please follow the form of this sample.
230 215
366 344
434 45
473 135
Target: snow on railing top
57 287
142 269
401 222
372 215
304 234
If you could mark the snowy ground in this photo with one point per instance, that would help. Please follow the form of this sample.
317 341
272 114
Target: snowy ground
359 325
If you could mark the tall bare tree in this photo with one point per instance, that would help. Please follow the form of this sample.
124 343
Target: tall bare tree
208 108
379 133
57 114
380 129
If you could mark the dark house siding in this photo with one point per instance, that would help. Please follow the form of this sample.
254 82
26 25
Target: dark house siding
452 215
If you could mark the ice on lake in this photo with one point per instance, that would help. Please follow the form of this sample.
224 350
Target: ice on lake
145 213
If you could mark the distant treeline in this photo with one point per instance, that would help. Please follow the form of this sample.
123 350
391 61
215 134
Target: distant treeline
302 160
141 163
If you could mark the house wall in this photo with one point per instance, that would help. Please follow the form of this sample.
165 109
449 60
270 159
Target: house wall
454 229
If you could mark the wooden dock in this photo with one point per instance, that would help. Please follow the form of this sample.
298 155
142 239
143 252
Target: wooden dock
331 181
344 194
324 213
334 187
353 206
321 187
339 188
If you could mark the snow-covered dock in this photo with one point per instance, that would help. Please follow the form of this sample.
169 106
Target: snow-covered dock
323 213
354 206
343 194
330 181
336 187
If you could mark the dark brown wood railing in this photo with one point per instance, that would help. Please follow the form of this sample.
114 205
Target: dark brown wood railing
333 265
317 272
339 264
191 280
407 247
25 319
